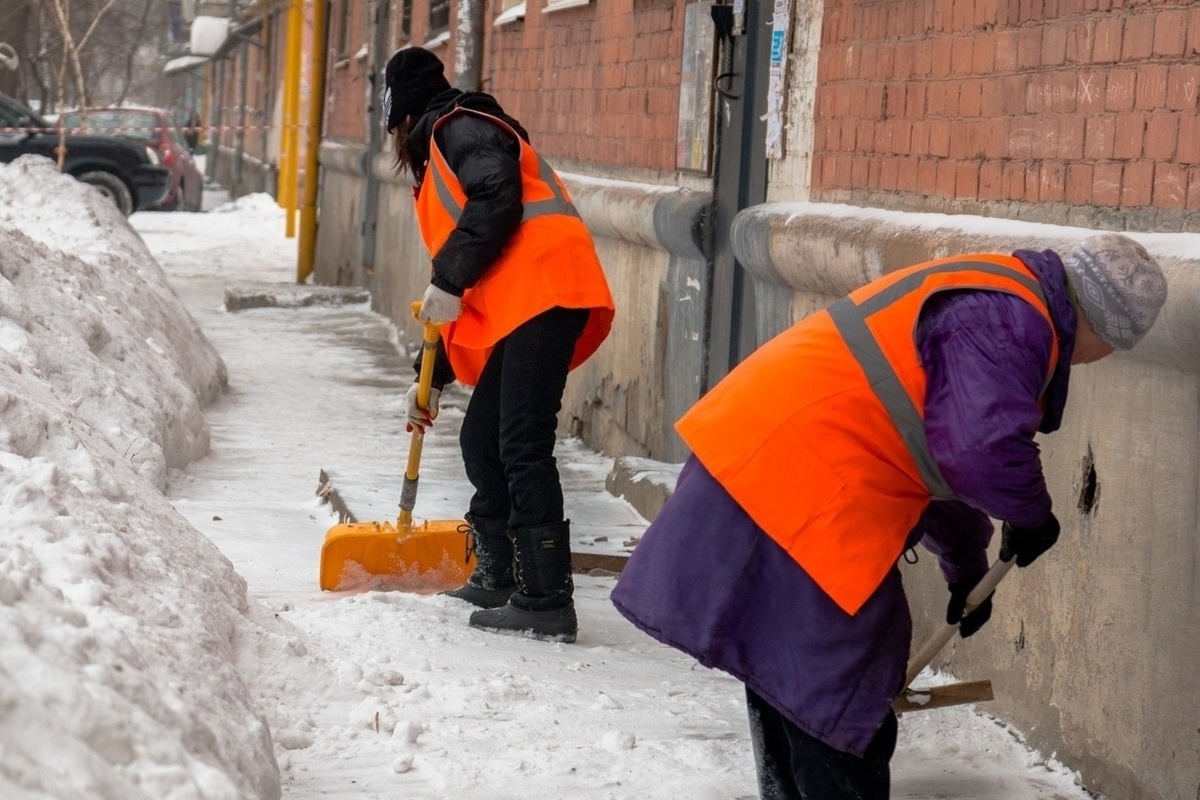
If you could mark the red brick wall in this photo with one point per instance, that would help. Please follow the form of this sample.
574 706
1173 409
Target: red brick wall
940 103
258 115
346 87
250 119
598 83
590 84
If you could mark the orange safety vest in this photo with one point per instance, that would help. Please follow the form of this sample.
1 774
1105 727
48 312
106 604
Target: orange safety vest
819 434
549 262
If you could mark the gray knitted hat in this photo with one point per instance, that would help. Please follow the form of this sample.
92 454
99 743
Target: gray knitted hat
1120 287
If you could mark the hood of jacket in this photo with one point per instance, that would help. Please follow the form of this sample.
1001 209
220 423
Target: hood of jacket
442 104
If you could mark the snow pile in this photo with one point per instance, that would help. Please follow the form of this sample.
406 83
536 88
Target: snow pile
84 303
257 206
118 621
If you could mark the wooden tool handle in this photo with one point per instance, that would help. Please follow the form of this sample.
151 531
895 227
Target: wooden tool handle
946 632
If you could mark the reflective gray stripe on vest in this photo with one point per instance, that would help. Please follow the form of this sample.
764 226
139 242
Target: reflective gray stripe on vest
850 319
558 204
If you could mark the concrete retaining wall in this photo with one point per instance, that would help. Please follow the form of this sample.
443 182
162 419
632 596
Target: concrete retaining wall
247 177
338 257
1093 649
625 399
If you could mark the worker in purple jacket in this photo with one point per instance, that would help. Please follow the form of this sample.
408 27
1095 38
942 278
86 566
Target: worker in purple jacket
776 586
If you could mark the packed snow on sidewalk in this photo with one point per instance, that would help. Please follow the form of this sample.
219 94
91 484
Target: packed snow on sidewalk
161 632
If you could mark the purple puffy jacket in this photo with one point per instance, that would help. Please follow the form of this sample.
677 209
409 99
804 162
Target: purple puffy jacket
705 579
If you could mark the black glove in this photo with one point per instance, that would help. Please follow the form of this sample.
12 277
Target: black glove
972 622
1026 544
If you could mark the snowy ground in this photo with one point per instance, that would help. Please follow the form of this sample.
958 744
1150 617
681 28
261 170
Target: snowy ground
138 661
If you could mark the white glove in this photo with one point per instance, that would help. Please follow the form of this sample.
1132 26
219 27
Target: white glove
439 306
418 417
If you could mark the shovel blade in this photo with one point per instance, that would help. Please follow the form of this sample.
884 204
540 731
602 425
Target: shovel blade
951 694
429 557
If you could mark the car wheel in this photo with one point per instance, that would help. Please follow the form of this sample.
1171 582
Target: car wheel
111 187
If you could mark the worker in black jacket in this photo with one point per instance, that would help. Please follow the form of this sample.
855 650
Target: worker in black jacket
522 298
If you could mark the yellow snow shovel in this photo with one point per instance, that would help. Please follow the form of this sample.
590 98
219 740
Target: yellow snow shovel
428 557
952 694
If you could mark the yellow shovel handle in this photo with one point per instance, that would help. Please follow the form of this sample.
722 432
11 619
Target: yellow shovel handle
408 493
428 357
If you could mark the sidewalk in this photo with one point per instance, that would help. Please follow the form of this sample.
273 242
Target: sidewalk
362 487
383 695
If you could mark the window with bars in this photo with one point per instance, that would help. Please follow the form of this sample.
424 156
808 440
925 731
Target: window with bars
406 8
508 12
693 137
343 28
439 16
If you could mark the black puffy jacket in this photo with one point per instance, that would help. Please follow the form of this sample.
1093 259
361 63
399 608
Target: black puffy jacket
487 162
486 159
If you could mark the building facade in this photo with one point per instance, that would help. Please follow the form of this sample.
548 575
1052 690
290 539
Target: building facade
742 164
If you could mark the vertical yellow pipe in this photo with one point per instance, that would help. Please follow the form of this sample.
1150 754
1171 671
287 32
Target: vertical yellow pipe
289 100
316 106
284 101
291 113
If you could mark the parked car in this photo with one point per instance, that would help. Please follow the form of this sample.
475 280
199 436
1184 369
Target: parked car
132 175
153 127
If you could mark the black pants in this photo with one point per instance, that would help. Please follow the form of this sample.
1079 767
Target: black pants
508 432
794 766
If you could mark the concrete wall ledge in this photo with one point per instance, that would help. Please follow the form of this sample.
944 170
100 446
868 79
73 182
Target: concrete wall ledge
643 482
351 159
668 218
830 249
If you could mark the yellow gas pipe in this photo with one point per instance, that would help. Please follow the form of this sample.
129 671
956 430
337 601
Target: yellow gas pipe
316 106
289 139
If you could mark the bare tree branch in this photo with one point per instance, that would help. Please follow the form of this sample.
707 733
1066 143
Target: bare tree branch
132 51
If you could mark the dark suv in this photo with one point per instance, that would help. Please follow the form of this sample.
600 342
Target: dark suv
129 173
149 126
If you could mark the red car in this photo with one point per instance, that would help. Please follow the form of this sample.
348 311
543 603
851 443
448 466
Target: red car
152 127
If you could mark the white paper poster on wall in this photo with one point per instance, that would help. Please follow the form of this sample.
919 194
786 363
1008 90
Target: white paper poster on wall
777 85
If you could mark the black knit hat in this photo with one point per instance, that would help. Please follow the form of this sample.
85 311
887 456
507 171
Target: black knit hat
413 77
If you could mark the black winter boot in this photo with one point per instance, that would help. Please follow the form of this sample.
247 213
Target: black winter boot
542 605
491 581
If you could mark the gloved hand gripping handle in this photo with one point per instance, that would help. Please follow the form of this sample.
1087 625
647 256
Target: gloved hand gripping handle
946 632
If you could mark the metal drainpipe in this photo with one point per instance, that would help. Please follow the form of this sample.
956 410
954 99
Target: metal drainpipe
243 89
468 46
371 185
218 120
269 52
739 181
